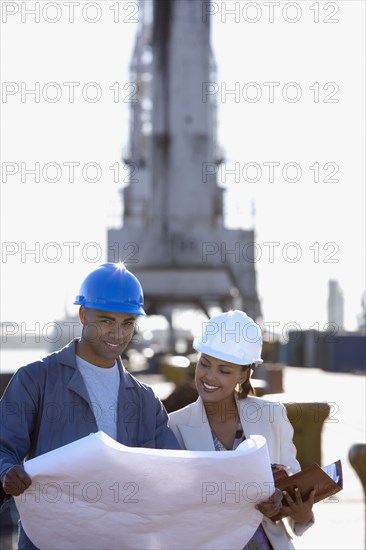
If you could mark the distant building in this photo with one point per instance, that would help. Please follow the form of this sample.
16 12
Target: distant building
361 318
335 304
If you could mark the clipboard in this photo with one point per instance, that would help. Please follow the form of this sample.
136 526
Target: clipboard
307 479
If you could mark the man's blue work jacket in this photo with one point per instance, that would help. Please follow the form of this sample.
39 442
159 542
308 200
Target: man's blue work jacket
46 405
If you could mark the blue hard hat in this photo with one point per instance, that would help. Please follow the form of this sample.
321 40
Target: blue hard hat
111 287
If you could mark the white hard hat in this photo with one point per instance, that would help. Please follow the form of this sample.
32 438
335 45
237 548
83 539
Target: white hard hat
233 337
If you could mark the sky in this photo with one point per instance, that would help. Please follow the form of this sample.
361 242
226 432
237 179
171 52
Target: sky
290 94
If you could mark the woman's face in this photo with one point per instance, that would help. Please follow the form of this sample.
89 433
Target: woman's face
216 379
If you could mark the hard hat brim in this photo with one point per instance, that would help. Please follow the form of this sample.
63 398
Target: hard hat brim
133 309
218 354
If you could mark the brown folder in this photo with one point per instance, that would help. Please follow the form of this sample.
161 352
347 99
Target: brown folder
307 479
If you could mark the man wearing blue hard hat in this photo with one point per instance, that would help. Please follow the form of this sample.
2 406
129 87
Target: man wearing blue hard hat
86 383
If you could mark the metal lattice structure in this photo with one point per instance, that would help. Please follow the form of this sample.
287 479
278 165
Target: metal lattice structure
173 235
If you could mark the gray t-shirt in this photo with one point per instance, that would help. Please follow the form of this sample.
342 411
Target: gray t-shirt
102 385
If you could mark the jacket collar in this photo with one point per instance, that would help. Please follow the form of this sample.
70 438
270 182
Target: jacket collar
126 405
196 431
67 357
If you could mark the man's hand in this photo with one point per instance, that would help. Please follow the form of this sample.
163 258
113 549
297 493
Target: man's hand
272 506
15 480
300 511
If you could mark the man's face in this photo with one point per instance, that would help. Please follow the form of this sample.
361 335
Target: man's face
105 335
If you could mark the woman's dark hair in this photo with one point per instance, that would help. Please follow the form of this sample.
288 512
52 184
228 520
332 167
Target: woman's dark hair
246 388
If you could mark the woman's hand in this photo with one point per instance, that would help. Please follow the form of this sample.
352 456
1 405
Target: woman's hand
300 511
272 506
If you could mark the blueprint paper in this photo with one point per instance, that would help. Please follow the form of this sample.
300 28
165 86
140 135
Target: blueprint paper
97 494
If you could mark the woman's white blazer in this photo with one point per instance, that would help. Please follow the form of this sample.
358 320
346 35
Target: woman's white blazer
258 417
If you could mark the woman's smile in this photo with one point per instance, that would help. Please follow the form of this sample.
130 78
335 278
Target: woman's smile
209 387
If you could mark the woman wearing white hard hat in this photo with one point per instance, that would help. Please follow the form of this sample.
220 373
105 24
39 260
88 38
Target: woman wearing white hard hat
230 347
